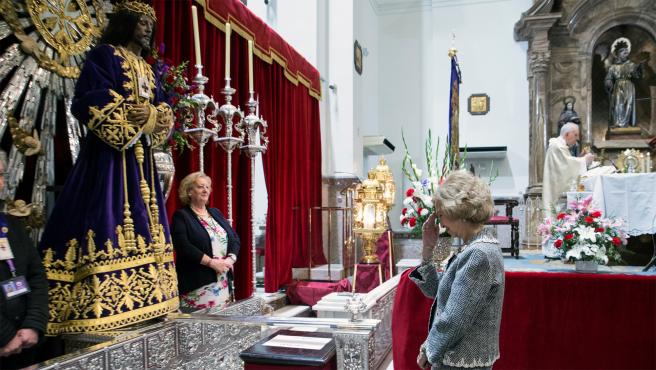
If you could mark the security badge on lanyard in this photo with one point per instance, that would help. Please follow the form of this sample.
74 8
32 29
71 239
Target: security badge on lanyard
17 285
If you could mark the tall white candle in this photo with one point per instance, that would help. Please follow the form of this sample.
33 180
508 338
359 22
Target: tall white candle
227 49
250 65
194 19
257 107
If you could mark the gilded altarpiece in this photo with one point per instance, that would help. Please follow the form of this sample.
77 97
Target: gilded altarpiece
571 46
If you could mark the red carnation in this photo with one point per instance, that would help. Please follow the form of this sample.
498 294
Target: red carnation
569 236
558 243
600 230
617 241
589 220
419 211
404 211
595 214
409 192
404 221
413 221
561 215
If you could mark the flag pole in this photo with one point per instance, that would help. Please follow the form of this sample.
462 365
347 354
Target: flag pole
454 110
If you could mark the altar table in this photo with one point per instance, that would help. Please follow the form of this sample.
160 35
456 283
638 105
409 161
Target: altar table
631 197
552 320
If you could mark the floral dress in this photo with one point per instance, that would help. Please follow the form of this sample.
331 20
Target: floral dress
215 294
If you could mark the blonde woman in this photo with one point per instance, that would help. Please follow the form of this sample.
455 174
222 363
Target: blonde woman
206 246
466 313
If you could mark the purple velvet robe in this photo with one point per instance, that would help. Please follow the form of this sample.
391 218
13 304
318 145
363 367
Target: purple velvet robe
109 261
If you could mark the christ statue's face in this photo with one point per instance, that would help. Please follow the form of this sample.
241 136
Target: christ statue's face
143 32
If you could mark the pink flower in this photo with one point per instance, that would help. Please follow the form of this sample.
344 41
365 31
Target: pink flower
586 202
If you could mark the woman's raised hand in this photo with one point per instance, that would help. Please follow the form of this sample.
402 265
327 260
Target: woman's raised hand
429 235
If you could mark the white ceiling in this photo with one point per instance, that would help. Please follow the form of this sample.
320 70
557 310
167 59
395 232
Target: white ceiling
408 6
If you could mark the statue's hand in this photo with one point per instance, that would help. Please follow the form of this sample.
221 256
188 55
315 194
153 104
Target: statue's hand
609 85
138 114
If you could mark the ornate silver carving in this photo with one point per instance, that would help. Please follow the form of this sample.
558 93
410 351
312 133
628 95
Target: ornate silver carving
165 169
73 128
207 341
9 60
96 361
4 30
381 341
352 350
160 349
190 336
254 306
14 90
129 356
355 306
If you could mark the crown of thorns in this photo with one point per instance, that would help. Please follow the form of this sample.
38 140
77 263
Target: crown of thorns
138 7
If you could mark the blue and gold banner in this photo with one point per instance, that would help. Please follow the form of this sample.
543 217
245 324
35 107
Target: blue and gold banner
454 105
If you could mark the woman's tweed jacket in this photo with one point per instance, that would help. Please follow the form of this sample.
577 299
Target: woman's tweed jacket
466 313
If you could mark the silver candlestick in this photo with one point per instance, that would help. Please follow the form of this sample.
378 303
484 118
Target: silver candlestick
202 134
231 117
257 143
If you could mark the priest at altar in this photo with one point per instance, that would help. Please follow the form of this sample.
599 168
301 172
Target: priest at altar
560 167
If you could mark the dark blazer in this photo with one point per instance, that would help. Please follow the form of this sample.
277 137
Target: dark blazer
29 311
191 242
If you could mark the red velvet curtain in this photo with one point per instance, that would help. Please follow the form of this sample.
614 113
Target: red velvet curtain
292 164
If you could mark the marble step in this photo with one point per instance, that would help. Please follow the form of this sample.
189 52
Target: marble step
293 311
337 272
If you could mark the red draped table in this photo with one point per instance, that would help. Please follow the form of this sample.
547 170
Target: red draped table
553 320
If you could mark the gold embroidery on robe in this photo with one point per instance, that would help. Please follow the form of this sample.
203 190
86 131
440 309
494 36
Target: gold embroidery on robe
98 291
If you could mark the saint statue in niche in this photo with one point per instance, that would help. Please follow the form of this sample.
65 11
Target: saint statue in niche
619 84
569 115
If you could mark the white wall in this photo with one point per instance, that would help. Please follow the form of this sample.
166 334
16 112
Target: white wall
405 80
294 20
341 139
366 85
414 84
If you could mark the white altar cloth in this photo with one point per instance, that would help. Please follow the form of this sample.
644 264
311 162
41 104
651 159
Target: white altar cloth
631 197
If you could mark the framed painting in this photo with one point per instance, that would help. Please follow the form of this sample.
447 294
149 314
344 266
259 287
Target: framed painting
478 104
357 57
